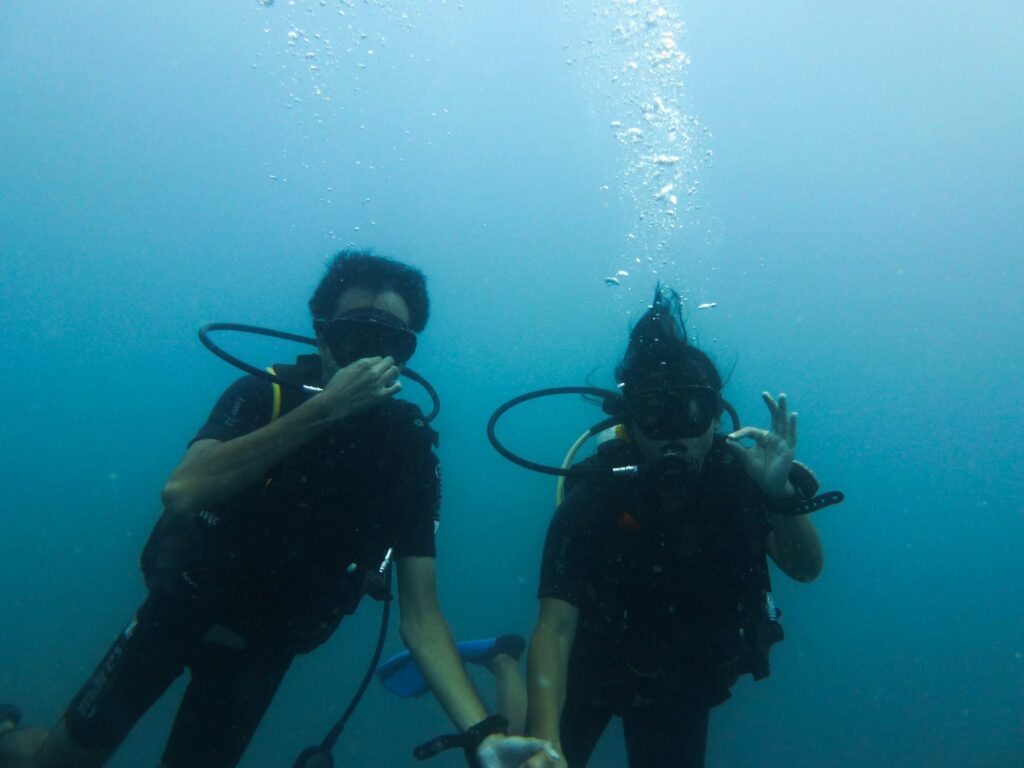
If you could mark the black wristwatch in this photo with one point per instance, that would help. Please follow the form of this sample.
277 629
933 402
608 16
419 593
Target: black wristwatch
805 498
469 740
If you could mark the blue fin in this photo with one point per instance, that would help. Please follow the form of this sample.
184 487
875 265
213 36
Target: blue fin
402 677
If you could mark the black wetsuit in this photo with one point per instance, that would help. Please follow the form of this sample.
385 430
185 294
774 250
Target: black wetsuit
237 590
672 609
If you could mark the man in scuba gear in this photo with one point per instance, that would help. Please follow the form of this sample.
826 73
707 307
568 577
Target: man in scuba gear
654 590
286 505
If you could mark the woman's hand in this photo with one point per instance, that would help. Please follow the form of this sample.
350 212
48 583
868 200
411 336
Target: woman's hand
769 460
501 751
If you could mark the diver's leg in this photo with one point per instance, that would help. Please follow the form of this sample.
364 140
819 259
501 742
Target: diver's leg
581 727
57 749
140 665
666 735
589 705
511 691
229 693
18 745
501 659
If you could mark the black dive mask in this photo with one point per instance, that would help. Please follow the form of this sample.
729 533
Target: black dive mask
368 333
667 412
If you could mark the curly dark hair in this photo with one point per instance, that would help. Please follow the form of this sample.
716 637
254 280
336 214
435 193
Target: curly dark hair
660 351
361 269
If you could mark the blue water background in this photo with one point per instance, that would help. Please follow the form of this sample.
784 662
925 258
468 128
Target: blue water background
859 227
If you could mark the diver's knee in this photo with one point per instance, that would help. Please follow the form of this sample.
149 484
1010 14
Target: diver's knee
59 749
18 746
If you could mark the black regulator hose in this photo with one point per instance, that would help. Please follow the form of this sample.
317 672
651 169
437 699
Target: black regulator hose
607 397
320 755
204 337
611 402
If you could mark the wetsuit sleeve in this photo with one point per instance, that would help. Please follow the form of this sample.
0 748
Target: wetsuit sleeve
417 498
244 407
562 564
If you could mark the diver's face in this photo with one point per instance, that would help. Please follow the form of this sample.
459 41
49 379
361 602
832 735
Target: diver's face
692 450
361 298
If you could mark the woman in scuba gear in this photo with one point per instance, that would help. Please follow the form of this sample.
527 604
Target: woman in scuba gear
655 592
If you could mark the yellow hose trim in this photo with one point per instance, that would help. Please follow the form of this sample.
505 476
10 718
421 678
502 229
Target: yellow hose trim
567 462
275 411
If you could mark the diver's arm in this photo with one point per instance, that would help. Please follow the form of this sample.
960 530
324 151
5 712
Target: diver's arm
795 547
213 470
793 544
430 642
426 634
547 664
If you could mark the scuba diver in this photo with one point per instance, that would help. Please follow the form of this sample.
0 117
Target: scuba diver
289 506
654 588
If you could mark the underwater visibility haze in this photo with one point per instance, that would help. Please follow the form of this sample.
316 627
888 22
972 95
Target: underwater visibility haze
835 190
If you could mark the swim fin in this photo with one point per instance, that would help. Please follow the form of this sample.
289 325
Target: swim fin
402 677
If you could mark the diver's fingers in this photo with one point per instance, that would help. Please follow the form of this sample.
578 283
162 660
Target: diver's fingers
515 750
782 417
773 407
752 433
740 451
792 430
381 364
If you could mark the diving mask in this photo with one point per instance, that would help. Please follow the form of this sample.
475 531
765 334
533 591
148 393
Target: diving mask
664 413
368 332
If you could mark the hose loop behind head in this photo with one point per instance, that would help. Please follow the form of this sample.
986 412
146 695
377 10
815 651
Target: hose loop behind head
204 337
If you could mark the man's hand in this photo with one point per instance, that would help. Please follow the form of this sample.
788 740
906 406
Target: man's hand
769 460
359 386
499 751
